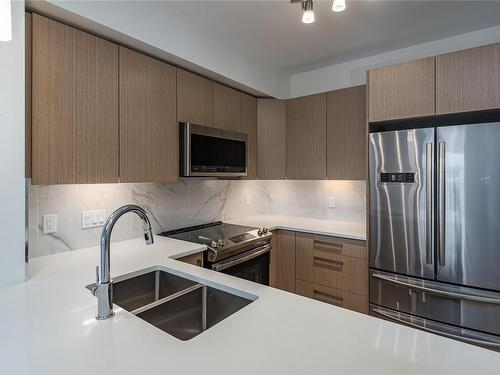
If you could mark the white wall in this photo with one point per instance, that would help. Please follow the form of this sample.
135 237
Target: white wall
353 73
12 186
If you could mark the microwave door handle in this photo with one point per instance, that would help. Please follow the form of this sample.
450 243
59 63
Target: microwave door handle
441 205
435 331
428 203
247 256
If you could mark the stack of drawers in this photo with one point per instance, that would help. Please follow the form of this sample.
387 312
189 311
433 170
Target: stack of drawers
332 270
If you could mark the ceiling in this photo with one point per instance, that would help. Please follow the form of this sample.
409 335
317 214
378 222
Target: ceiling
272 31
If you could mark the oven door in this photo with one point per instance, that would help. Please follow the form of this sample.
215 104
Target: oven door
252 265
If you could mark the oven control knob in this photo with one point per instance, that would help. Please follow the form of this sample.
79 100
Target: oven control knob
221 243
213 244
262 231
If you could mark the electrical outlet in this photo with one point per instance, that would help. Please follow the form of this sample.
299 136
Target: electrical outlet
332 202
49 223
93 219
247 199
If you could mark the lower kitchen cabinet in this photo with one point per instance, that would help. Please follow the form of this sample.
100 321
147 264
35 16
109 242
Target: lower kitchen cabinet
333 262
194 259
332 296
329 269
282 272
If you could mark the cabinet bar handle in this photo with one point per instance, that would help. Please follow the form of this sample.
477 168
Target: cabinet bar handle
328 262
336 245
328 298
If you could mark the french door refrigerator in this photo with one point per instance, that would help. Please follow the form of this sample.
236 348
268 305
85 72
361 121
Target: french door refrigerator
434 231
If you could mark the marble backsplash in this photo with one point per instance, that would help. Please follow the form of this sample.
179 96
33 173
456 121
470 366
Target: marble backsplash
188 202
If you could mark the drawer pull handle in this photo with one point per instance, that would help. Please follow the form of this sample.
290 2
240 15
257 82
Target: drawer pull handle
323 244
328 262
328 298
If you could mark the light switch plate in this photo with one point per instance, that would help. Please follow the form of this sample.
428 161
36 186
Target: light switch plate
93 219
247 199
49 223
332 202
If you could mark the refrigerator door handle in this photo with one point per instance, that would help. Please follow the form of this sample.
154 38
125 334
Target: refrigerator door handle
435 331
437 292
441 205
428 203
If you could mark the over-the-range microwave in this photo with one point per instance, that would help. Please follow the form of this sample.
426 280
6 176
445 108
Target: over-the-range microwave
211 152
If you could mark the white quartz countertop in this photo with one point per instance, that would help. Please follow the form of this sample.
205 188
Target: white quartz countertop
47 326
305 224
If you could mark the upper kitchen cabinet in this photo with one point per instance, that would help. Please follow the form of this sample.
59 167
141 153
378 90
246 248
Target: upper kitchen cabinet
249 127
194 99
74 105
346 134
402 91
149 140
227 108
468 80
306 137
271 139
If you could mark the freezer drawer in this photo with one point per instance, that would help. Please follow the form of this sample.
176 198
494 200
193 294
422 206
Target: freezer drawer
466 335
468 185
401 201
449 304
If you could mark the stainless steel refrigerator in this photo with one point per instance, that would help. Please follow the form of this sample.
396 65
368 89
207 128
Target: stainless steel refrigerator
434 234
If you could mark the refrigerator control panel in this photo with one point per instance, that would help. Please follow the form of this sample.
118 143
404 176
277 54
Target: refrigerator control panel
397 177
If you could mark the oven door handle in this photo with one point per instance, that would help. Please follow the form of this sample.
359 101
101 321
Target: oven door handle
220 266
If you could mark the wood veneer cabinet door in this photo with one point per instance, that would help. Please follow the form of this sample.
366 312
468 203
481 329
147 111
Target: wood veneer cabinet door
306 137
402 91
271 136
27 105
468 80
227 108
74 105
283 261
194 99
148 125
346 134
249 127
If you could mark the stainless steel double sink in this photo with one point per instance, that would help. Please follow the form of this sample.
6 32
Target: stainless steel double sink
177 305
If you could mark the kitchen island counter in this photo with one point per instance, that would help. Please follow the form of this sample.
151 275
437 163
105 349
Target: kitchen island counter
48 326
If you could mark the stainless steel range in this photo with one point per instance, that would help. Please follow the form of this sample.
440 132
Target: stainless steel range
232 249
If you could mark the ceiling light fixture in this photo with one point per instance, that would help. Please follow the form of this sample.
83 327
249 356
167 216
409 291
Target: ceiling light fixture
307 8
338 5
5 21
308 15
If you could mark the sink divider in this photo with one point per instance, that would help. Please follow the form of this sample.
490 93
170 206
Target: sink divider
160 301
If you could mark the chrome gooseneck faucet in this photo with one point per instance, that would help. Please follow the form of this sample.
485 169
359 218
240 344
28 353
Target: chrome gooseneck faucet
104 285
